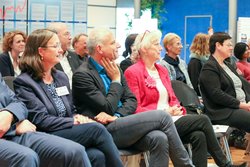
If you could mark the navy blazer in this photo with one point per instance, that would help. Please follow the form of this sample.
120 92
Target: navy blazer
6 67
74 61
42 109
217 89
90 97
9 102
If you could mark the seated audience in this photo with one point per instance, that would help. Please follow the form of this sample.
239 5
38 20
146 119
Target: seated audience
22 146
13 45
199 55
225 94
128 53
152 87
242 52
100 91
79 44
177 68
47 95
70 61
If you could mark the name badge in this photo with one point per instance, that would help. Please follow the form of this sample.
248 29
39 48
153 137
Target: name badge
61 91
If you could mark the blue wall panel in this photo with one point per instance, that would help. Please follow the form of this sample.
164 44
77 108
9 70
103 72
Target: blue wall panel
176 10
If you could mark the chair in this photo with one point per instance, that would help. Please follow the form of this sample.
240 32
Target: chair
9 81
130 152
188 98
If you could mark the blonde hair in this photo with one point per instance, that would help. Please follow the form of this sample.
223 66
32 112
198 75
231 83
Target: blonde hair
145 40
168 39
200 45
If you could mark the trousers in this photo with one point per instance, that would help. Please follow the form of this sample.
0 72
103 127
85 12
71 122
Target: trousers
152 131
36 149
198 131
234 121
98 142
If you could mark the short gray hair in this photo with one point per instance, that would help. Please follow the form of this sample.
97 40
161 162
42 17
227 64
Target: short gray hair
95 37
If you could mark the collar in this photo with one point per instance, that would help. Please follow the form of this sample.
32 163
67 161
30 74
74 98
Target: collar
97 66
172 61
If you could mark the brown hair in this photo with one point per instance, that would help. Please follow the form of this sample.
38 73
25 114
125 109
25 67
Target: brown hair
8 39
31 61
200 45
76 38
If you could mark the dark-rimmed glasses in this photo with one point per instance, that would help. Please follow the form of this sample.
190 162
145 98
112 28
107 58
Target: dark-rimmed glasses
58 45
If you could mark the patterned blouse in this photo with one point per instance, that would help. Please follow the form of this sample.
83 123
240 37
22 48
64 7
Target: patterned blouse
61 110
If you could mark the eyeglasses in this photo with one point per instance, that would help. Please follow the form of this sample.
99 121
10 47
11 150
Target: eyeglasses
228 44
58 45
147 31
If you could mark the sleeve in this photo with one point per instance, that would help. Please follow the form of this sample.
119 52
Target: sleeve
4 66
87 90
133 84
129 102
38 112
194 68
211 87
9 102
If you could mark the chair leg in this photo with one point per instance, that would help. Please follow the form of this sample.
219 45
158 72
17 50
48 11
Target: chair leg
227 149
146 158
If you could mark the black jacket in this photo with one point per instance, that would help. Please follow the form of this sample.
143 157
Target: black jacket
89 94
218 91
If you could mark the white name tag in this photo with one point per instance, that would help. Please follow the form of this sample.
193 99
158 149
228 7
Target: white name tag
61 91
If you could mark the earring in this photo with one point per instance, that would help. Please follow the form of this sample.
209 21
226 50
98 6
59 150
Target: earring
41 58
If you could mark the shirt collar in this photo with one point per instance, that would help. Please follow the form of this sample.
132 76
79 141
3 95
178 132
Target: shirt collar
97 66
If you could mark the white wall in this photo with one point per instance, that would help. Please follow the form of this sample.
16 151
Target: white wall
101 13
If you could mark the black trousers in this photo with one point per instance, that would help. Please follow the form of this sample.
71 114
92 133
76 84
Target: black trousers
198 131
239 119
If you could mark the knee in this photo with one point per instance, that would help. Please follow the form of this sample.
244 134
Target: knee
101 131
198 137
29 157
205 119
158 139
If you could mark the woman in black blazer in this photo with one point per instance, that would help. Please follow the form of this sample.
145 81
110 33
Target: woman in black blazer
225 94
13 46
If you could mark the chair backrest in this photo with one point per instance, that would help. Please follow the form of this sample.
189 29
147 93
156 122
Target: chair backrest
186 95
9 81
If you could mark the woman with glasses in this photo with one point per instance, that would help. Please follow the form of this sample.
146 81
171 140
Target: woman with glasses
151 85
225 93
47 95
13 46
177 68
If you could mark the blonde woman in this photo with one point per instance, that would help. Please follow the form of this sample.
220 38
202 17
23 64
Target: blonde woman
152 87
177 68
199 55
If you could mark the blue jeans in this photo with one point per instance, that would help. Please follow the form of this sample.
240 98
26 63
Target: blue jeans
98 142
153 131
37 149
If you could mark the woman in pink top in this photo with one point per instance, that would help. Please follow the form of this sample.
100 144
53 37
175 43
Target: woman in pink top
151 85
242 52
